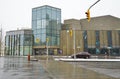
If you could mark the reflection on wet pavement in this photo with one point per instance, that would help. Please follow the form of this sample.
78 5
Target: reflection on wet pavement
20 68
63 70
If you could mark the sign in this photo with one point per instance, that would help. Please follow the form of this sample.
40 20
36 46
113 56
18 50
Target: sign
37 40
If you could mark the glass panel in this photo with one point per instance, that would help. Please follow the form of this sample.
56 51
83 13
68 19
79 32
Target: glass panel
34 25
39 24
54 24
43 39
58 14
21 40
54 15
43 23
21 50
48 14
35 32
7 40
27 39
38 31
43 13
54 40
39 15
44 31
34 15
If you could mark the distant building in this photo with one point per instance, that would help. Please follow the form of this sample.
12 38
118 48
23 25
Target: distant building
46 26
19 42
100 35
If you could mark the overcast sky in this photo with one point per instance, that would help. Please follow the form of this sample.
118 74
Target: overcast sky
17 13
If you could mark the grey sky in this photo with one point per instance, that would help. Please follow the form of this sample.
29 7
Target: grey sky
17 13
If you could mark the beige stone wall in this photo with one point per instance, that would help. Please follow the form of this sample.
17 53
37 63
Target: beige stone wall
102 23
67 41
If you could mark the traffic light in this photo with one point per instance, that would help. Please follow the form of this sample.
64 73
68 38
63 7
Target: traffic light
71 32
47 39
88 15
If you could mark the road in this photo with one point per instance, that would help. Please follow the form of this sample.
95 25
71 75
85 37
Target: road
20 68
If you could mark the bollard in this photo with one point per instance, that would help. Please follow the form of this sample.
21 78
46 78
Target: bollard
28 57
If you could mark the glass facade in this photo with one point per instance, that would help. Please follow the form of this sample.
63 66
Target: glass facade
46 23
18 42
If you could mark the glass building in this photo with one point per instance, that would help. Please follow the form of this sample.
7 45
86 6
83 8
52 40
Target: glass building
46 26
19 42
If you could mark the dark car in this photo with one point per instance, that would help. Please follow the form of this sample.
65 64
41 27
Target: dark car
81 55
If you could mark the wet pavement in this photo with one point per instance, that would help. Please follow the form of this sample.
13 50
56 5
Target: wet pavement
20 68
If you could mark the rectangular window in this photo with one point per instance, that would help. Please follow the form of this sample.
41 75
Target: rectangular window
48 14
39 24
43 23
109 37
34 15
43 13
34 25
54 15
97 39
39 15
85 40
97 33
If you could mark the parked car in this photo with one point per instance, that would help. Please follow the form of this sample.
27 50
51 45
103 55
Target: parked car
81 55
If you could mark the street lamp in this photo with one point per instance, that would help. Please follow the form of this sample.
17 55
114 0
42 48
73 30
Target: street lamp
72 33
47 40
29 52
74 43
67 41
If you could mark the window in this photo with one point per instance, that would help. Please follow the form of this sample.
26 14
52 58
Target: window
21 40
39 15
97 39
34 25
85 40
43 23
34 15
109 37
48 14
43 13
54 15
39 24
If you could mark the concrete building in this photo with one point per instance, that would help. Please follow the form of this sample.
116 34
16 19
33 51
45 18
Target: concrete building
100 35
19 42
46 26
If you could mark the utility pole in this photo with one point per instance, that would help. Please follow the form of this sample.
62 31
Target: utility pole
74 44
47 40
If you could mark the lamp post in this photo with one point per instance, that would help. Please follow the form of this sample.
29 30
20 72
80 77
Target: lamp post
47 39
72 33
74 43
67 42
29 52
